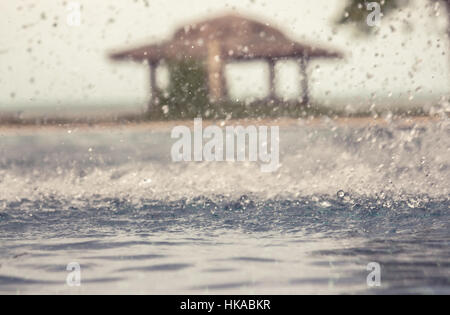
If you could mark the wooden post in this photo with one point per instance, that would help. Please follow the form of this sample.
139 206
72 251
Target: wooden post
304 83
215 71
154 101
272 83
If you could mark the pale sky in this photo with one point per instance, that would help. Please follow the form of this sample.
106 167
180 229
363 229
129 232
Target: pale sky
44 61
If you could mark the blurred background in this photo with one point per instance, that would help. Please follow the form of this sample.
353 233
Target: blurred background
50 65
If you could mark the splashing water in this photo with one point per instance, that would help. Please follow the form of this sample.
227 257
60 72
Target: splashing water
113 201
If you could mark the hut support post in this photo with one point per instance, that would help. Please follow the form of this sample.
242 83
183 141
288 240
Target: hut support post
304 81
272 83
154 101
216 80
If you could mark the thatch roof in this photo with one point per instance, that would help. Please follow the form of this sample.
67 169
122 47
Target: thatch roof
237 37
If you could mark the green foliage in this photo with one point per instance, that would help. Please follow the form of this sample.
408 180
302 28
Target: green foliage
355 12
187 93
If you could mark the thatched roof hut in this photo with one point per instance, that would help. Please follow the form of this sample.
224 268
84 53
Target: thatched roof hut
227 38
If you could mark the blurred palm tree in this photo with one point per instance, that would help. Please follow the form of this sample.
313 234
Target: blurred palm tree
356 12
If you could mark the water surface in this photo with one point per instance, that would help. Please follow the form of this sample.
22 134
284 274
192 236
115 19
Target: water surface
113 201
